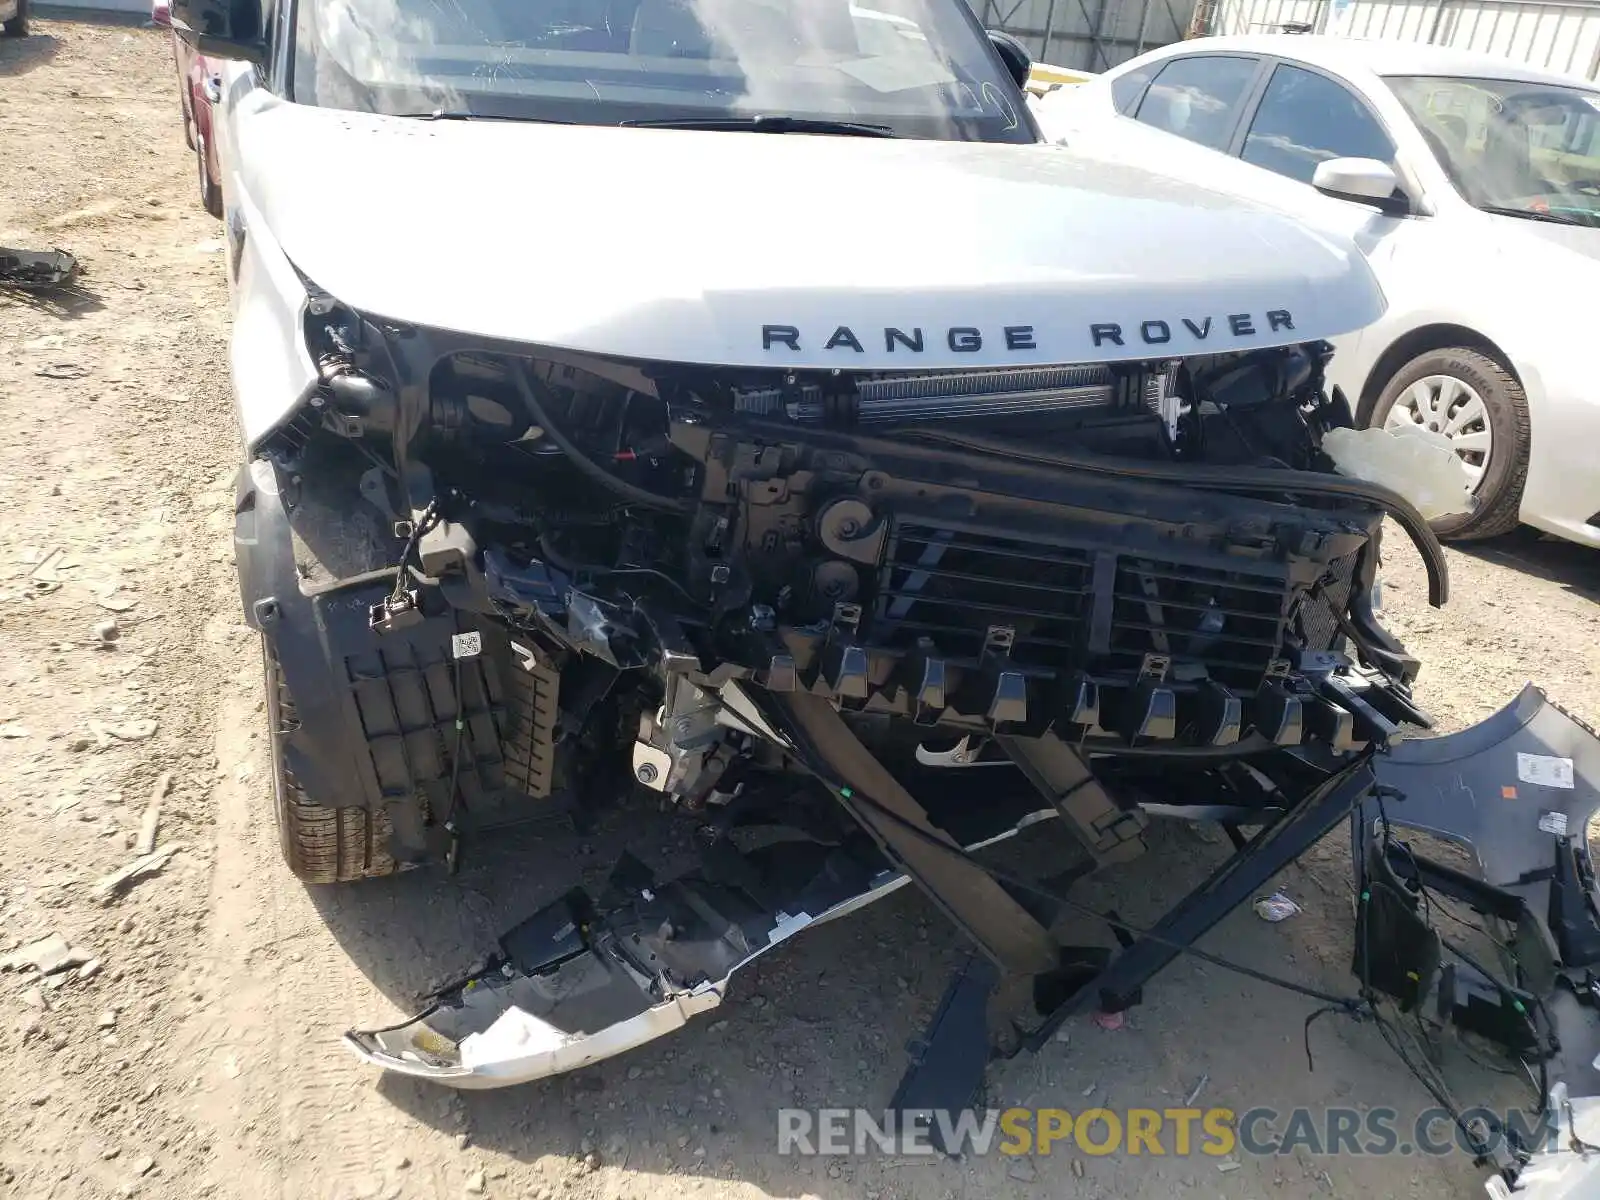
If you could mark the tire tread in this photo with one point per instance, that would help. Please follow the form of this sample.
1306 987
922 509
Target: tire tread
320 844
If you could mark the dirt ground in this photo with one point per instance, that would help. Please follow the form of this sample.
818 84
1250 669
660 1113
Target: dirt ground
198 1053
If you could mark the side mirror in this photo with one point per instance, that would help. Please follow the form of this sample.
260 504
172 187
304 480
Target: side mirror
1362 180
221 28
1014 54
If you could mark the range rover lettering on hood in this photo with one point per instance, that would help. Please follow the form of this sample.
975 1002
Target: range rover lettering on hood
969 339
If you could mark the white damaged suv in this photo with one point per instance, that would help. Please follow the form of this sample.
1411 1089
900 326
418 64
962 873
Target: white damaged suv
734 407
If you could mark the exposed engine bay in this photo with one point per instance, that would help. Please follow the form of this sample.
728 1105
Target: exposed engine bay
499 578
1143 560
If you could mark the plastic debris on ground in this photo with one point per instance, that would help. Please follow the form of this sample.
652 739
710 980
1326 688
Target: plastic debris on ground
36 268
111 885
1276 907
47 956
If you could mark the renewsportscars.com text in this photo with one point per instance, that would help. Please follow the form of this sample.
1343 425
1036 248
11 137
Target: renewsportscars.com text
1176 1132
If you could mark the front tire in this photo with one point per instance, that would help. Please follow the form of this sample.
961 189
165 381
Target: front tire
1479 405
321 845
17 26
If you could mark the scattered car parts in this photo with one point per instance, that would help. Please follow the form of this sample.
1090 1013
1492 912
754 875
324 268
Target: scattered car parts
36 270
1517 791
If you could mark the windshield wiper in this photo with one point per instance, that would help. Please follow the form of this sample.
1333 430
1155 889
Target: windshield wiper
764 123
1529 214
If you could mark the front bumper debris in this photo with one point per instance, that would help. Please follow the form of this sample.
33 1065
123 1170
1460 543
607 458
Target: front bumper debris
1518 790
588 978
36 269
580 981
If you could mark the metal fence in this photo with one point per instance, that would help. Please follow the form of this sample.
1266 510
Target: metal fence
1556 35
1089 34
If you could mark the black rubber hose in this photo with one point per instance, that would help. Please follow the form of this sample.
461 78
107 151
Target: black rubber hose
529 387
1229 479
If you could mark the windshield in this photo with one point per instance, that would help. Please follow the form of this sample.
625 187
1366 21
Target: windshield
1523 148
917 68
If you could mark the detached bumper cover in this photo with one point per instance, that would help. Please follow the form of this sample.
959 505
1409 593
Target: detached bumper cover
1514 788
1519 789
570 987
518 1047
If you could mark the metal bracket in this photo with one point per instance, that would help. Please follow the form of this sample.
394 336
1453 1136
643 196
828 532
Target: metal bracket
1150 710
849 528
846 619
651 766
1155 668
1007 689
1302 826
844 664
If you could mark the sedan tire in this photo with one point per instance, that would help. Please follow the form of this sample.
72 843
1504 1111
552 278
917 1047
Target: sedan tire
1479 405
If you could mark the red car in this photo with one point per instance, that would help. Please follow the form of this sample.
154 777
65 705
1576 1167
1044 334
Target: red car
198 82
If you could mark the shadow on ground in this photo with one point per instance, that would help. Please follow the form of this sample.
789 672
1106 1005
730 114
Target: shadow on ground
112 17
64 304
18 56
1574 567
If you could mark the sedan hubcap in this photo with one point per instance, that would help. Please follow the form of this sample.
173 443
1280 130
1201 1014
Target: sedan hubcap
1447 405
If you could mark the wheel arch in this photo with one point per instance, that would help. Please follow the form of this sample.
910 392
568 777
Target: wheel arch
1440 335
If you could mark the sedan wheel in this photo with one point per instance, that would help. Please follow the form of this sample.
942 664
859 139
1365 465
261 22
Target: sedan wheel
1479 405
1451 406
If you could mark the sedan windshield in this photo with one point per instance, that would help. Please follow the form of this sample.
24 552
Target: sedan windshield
1523 149
908 68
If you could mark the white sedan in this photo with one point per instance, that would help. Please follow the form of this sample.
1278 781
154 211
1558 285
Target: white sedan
1471 183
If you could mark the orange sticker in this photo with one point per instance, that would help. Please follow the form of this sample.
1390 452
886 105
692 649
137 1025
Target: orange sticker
1508 793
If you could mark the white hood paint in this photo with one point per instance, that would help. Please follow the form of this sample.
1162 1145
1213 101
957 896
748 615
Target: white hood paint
681 245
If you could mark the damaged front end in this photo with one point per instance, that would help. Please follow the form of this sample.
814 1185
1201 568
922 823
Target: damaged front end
805 609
